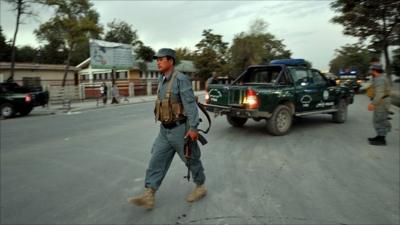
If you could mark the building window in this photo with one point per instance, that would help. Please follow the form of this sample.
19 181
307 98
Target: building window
83 77
94 76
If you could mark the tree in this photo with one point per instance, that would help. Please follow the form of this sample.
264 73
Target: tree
73 24
27 54
22 7
5 48
255 47
377 21
354 56
121 32
396 62
211 54
184 54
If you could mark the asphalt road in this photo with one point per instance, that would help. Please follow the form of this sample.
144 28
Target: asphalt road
80 168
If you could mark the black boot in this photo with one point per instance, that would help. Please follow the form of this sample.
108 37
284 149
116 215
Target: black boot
380 140
374 138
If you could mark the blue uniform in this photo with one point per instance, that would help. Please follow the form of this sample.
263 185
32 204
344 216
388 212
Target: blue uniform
171 140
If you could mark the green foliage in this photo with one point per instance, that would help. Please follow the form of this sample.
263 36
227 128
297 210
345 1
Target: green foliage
257 46
121 32
5 48
73 24
145 52
185 54
211 54
375 21
27 54
351 56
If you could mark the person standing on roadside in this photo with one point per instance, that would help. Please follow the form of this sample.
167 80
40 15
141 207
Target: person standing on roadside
103 92
380 103
177 111
114 94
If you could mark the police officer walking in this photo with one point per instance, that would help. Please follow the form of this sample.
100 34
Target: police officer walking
380 103
177 111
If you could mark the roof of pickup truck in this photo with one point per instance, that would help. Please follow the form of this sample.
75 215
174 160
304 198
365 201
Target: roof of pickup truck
289 62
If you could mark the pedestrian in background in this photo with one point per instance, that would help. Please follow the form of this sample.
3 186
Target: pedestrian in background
114 94
380 104
103 92
177 111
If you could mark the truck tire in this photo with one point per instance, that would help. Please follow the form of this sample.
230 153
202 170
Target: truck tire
7 110
340 116
236 121
280 121
25 111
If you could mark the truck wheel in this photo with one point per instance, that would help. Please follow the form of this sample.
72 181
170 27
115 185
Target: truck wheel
281 121
25 111
236 121
7 110
340 116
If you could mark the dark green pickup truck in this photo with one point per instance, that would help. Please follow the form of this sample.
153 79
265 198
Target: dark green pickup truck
277 92
17 99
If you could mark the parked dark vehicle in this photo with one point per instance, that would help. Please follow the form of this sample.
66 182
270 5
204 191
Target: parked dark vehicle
15 99
277 92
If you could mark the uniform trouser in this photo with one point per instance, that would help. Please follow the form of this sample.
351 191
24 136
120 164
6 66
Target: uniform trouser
164 147
380 120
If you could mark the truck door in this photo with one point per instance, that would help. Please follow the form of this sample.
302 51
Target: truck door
325 93
307 94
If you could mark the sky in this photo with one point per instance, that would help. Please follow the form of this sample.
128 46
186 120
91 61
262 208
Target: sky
303 25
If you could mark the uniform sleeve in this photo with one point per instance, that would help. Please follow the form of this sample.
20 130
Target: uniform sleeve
379 89
188 101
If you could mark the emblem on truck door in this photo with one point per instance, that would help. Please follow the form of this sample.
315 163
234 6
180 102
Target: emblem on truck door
214 94
305 100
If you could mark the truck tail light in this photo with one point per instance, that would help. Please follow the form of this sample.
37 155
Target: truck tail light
28 98
206 97
251 99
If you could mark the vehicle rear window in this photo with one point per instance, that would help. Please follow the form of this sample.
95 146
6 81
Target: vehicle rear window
261 75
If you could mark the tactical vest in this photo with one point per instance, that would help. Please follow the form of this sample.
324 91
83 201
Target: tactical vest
168 109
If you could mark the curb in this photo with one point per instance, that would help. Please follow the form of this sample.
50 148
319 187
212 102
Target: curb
90 105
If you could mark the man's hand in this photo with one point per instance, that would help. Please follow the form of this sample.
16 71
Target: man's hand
371 107
194 135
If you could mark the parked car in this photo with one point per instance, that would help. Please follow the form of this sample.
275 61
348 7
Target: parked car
277 92
15 99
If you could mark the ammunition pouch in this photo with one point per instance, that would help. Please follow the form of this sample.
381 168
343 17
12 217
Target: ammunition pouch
370 92
168 110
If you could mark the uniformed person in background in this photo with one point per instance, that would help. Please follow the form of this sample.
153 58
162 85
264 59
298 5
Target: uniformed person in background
177 111
379 94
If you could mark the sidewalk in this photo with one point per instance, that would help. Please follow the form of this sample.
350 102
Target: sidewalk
94 104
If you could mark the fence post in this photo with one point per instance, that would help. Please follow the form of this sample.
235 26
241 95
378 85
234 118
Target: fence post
149 92
131 89
82 94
